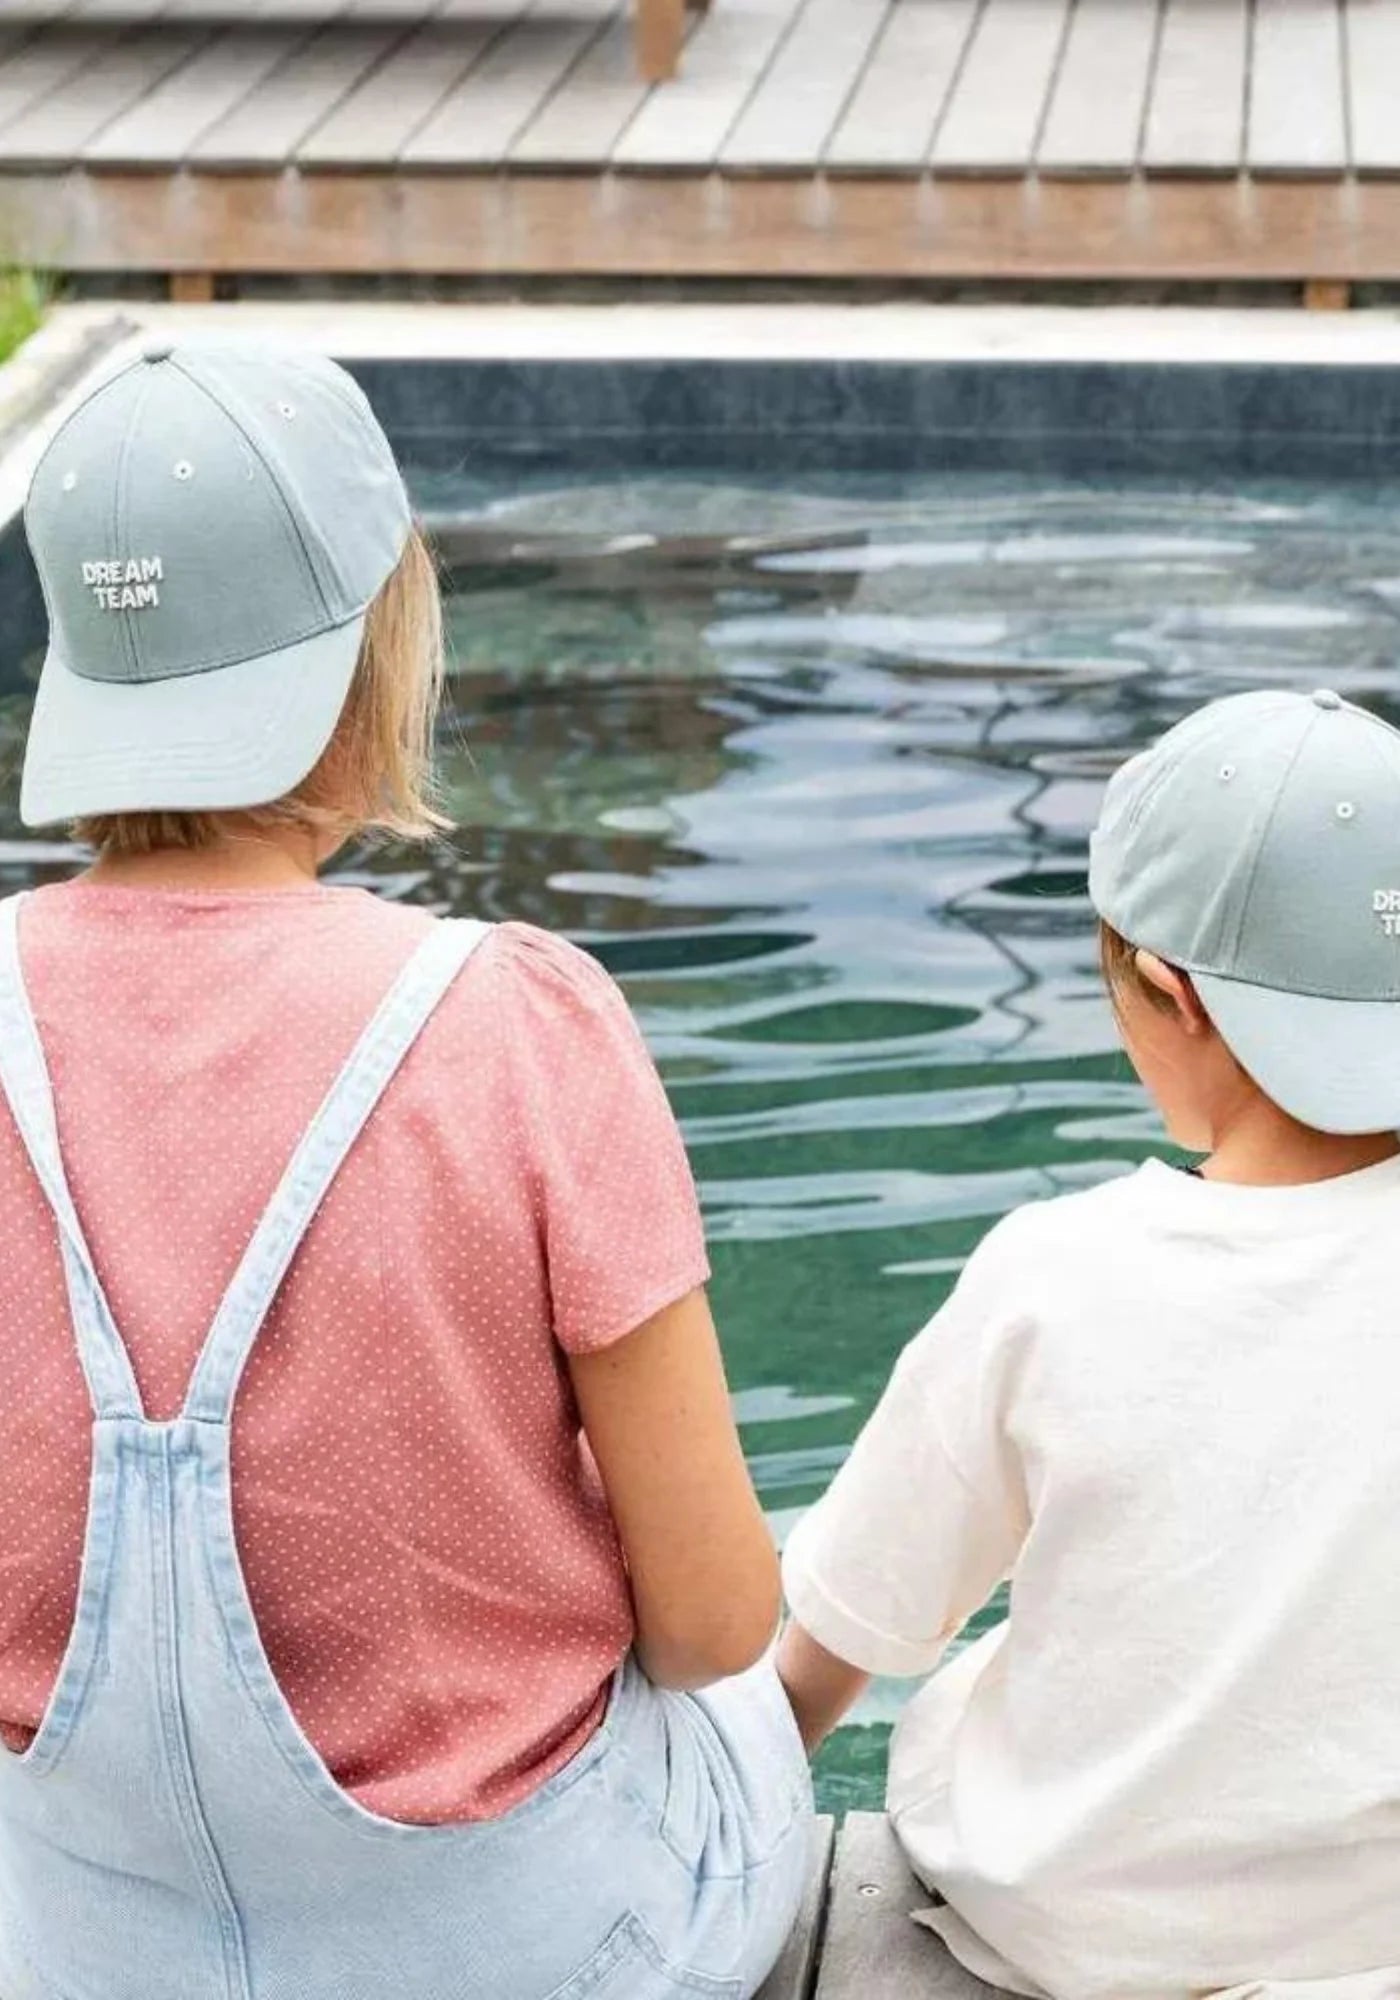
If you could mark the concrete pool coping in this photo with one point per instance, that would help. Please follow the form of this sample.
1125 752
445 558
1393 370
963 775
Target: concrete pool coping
571 384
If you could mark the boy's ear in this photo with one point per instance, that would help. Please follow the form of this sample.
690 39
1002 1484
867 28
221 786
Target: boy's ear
1175 987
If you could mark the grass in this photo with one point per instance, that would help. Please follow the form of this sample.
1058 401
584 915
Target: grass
23 298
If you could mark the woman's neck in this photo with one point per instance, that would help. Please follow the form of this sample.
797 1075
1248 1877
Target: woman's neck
281 860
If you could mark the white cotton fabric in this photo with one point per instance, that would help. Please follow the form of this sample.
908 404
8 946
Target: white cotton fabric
1169 1410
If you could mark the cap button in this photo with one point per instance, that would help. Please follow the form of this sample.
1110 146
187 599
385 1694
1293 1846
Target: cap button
157 350
1325 698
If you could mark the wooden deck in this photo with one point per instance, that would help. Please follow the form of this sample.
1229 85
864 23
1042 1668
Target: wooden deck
1003 139
856 1939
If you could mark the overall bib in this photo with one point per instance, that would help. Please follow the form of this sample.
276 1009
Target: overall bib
171 1833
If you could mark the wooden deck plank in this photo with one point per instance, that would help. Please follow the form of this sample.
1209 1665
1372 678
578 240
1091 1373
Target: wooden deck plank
162 126
894 111
1297 116
117 13
685 125
479 121
584 119
688 225
994 115
1195 122
797 105
1094 125
43 63
376 120
57 128
1373 66
873 1950
266 129
794 1975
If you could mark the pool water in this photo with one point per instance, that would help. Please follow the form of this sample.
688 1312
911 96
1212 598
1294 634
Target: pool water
812 770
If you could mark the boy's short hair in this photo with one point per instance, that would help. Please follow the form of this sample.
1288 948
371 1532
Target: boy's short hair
1121 972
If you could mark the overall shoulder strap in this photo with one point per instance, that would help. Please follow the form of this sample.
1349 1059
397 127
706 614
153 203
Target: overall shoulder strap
24 1078
362 1081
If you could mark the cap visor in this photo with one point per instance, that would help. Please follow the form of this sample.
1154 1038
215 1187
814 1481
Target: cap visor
231 736
1332 1064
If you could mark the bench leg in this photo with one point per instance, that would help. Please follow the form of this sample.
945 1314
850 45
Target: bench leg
191 288
660 30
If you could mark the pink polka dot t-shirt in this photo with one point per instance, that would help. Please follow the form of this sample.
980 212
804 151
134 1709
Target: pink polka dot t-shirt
430 1557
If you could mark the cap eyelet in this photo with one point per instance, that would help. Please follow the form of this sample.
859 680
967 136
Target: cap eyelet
287 410
1227 771
182 469
1346 810
69 481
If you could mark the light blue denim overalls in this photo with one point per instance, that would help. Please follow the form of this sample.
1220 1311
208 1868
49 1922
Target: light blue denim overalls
171 1834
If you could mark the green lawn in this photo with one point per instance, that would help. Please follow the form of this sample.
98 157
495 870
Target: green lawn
23 297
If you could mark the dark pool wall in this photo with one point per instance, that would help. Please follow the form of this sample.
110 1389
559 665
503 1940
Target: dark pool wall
1169 420
21 604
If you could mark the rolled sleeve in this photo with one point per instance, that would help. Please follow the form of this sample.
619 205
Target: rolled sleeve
844 1632
928 1513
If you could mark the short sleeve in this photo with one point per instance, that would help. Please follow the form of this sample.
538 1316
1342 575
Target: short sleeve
928 1513
616 1202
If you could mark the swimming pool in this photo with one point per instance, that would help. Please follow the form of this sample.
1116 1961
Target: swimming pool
810 765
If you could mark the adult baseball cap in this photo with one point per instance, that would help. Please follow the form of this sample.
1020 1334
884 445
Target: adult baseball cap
210 526
1257 847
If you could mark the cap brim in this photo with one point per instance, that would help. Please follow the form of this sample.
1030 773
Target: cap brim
233 736
1332 1064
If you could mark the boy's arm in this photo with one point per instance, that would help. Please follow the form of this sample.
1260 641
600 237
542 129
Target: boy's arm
820 1687
929 1511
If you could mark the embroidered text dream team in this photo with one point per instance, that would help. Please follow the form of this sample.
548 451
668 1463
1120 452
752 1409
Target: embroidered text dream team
132 585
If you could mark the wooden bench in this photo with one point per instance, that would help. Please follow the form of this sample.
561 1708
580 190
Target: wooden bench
854 1939
660 32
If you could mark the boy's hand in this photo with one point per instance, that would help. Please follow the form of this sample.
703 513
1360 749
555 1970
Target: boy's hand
820 1687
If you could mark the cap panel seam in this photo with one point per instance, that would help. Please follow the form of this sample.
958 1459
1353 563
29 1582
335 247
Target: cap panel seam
1247 888
1166 769
98 390
1375 745
124 625
222 407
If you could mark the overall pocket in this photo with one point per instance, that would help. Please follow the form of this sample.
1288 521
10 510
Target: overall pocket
630 1965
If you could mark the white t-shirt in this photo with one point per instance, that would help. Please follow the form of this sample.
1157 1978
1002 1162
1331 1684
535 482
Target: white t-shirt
1169 1410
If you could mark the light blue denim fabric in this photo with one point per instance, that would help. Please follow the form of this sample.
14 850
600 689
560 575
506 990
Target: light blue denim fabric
171 1834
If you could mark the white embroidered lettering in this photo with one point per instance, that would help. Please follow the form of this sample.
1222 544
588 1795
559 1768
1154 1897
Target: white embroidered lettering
1385 905
125 584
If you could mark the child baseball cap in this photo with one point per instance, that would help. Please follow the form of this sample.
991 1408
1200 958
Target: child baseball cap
1257 847
209 526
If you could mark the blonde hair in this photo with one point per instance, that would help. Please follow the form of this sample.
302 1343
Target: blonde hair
376 773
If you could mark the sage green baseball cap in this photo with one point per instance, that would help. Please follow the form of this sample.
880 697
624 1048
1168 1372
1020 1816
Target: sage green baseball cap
1257 847
210 526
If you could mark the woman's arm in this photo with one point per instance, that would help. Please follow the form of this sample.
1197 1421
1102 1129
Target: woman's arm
820 1686
704 1572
